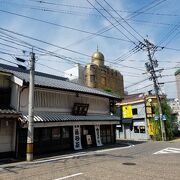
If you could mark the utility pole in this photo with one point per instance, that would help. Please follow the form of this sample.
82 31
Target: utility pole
30 133
150 68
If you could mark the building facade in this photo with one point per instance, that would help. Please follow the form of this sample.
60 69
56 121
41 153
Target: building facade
66 115
174 104
75 74
138 111
134 121
97 75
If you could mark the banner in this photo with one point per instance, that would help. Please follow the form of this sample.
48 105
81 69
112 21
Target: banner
77 137
98 135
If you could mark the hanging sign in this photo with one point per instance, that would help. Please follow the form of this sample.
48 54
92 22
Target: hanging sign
98 136
77 137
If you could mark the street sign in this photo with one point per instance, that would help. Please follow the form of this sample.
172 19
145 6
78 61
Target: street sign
156 118
164 117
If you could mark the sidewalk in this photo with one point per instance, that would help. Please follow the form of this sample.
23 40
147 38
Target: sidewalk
177 139
9 163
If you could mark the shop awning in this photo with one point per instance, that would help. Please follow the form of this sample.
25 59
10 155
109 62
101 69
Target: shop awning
59 117
127 121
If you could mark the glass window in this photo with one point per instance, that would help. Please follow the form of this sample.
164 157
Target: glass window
56 133
142 129
136 129
65 132
46 134
134 111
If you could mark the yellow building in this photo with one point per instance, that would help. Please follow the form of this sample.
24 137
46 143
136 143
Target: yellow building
97 75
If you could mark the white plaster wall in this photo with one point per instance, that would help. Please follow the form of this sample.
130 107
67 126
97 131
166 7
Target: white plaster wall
14 96
64 101
140 109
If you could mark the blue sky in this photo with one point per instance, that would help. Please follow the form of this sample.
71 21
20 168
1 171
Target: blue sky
64 21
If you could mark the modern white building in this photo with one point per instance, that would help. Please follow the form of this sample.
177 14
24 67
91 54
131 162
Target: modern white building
174 104
134 126
75 74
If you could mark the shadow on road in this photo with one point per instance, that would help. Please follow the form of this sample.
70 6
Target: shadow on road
119 143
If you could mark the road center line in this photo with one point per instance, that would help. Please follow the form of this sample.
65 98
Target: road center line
66 177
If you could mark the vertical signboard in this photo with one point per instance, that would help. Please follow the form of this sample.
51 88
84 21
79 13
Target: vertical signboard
77 137
98 135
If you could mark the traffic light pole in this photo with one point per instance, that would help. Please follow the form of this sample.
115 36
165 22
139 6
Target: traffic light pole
30 133
156 89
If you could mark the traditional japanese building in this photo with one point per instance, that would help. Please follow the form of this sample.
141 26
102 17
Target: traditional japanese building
66 115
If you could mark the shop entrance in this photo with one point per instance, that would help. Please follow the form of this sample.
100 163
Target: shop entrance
88 136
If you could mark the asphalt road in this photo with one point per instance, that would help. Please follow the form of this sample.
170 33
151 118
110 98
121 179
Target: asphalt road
146 161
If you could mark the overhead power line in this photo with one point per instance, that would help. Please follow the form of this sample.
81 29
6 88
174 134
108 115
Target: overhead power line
111 22
123 19
86 8
139 11
134 84
44 42
62 26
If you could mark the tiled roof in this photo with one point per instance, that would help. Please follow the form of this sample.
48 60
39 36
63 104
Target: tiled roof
51 81
132 98
59 117
9 113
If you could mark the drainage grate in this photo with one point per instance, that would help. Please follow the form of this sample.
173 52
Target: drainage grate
129 163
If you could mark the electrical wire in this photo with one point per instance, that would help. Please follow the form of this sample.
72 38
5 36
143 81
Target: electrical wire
62 26
90 8
135 90
134 84
111 22
109 27
123 19
44 42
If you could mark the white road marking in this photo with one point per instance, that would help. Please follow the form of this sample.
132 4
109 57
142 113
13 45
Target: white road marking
66 177
81 154
168 150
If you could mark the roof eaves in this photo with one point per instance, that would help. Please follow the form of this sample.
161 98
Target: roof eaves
130 102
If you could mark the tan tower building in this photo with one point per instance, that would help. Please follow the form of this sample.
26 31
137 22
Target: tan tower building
97 75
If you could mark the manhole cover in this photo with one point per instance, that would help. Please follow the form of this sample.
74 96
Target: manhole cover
129 164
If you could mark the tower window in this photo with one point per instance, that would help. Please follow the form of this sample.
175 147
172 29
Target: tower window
92 78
